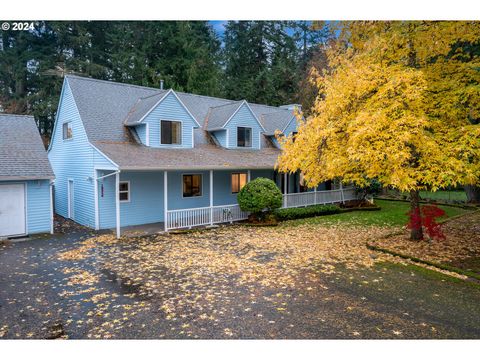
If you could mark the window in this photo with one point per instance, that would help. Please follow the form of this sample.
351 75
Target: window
124 192
244 137
67 130
238 182
171 132
192 185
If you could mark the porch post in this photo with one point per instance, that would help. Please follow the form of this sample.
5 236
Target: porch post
315 195
211 197
285 189
249 175
51 208
95 193
117 202
341 193
165 200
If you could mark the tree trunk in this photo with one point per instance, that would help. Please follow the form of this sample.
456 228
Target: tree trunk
473 194
416 217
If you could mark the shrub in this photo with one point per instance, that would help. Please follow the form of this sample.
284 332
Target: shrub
260 195
427 218
309 211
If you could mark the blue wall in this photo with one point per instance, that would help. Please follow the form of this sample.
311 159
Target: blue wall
38 206
146 199
168 109
292 126
245 118
74 159
221 136
175 191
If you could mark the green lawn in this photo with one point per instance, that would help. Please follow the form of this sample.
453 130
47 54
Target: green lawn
444 195
393 213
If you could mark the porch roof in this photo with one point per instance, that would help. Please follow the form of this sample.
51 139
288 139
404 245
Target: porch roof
130 156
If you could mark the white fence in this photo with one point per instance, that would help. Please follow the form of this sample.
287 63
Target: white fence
318 197
188 218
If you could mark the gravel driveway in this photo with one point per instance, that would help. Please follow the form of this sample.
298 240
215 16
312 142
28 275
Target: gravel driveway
305 282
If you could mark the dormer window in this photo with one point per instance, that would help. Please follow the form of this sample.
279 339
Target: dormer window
244 137
171 132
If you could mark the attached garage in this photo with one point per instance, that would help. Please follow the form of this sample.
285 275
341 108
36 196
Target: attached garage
26 179
12 210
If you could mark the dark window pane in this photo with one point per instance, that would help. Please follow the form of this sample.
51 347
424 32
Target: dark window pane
248 137
123 186
192 185
123 196
171 132
244 137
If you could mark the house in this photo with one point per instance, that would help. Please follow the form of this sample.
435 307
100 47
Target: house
127 155
26 179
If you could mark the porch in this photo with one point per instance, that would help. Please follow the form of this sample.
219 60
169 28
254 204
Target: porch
138 202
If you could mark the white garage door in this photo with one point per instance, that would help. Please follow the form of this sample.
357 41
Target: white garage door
12 209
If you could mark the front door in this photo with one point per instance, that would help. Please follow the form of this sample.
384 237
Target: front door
12 210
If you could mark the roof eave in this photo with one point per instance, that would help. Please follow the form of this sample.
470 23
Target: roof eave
24 178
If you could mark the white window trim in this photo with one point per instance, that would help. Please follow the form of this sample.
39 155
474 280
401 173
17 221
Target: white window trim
201 186
128 192
231 180
180 144
63 131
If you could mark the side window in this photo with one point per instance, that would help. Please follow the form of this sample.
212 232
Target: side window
238 182
171 132
67 130
192 185
244 137
124 191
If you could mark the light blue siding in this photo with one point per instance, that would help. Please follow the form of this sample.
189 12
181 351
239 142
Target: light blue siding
221 136
142 133
244 118
38 206
146 199
106 200
169 109
73 159
292 126
175 191
222 185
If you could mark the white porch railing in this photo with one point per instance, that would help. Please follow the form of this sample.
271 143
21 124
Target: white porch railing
188 218
318 197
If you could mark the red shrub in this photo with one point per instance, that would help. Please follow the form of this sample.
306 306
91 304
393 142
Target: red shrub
427 218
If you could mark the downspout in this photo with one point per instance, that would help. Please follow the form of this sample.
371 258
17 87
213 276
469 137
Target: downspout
51 208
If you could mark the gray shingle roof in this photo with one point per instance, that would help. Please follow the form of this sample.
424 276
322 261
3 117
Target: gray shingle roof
142 107
138 157
106 107
276 120
22 154
219 115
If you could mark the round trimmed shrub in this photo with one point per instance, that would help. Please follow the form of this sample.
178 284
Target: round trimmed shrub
260 195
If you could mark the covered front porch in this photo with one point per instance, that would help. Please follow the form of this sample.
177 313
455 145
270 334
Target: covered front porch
176 199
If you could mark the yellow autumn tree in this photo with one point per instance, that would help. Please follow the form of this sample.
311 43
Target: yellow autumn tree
398 104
